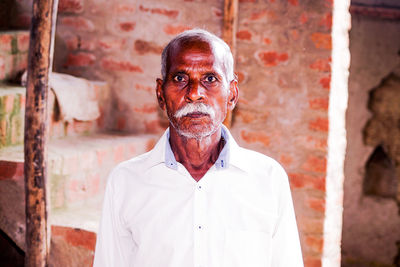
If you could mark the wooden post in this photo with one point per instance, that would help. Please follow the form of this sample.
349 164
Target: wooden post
229 36
35 142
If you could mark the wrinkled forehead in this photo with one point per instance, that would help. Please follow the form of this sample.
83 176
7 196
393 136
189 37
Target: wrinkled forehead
195 46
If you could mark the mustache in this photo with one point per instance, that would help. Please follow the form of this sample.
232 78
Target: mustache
195 107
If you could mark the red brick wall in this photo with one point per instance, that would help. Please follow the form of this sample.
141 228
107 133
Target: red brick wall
283 62
120 42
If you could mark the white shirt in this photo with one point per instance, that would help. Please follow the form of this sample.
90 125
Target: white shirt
240 214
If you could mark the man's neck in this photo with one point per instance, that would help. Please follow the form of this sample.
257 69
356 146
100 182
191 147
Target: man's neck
196 154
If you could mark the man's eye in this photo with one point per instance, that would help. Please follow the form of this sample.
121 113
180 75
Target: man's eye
179 78
211 79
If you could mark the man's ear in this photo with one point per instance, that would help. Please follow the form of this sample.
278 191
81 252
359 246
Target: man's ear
233 94
160 93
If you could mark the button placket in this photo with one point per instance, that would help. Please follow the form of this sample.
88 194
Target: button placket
199 224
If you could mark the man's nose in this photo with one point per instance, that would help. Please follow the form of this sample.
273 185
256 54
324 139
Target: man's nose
195 92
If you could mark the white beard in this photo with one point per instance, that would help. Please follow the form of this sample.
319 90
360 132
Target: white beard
191 108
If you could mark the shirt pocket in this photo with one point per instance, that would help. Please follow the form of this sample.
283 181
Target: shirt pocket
244 248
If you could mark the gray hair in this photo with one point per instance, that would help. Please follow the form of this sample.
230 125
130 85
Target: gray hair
204 36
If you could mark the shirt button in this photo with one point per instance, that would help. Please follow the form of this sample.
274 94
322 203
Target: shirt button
200 227
199 187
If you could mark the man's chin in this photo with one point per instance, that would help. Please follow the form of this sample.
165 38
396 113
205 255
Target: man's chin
196 133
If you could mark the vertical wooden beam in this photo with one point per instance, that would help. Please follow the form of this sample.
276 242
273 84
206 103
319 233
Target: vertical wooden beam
35 141
229 36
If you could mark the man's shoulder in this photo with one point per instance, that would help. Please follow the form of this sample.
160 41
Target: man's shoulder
255 161
134 164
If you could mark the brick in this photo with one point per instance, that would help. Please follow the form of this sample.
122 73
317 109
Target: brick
57 195
294 2
131 148
143 47
111 44
21 64
82 127
70 164
77 43
5 43
322 40
120 65
144 88
23 41
272 58
11 170
285 160
295 34
22 100
255 137
245 116
319 124
317 143
75 237
175 29
329 3
244 35
121 123
326 21
2 68
101 156
3 130
300 180
146 109
8 103
127 26
259 15
70 6
125 9
312 262
241 76
323 65
17 129
160 11
311 226
303 18
118 154
76 191
319 103
153 126
267 41
94 185
325 82
80 59
317 204
315 242
78 23
247 1
315 164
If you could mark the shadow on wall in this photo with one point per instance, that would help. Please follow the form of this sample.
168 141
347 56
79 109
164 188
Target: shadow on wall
15 15
11 255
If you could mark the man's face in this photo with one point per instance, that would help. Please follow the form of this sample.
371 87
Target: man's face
195 92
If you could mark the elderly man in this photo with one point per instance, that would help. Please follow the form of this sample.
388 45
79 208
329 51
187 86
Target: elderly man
198 199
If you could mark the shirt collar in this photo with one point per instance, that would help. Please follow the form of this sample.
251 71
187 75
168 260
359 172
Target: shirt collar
230 154
221 163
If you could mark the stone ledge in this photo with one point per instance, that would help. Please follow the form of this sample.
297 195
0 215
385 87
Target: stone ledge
78 168
12 113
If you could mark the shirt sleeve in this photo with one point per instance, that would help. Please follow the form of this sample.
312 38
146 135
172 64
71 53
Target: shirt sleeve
286 250
114 244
